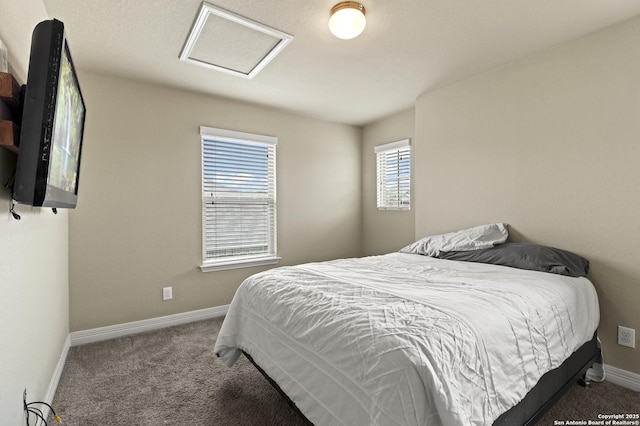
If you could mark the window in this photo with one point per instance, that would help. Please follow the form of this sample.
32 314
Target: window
238 199
394 175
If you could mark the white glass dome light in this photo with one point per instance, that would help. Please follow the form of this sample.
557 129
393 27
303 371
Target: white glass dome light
347 20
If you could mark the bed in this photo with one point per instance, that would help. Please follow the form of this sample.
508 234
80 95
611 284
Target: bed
413 339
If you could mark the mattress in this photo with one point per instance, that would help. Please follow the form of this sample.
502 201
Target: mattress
404 339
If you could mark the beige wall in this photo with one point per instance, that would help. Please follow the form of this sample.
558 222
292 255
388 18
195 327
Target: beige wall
137 227
384 231
34 322
550 145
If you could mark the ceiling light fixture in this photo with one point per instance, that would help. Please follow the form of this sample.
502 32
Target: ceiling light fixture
347 20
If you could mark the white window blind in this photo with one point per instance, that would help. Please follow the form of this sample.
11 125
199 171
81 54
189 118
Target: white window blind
238 199
394 175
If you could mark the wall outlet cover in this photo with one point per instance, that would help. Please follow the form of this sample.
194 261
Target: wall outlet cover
626 336
167 293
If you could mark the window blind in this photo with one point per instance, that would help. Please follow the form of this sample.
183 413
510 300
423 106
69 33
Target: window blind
238 196
393 165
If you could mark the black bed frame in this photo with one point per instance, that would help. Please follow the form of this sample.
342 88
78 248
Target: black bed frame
552 386
536 403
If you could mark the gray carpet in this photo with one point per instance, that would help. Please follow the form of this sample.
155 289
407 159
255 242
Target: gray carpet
171 377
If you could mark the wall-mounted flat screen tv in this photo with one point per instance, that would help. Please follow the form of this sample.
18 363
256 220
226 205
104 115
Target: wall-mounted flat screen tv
52 127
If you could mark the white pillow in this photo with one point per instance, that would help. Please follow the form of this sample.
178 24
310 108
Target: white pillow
479 237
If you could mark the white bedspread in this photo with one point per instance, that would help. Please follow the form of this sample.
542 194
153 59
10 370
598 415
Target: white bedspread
404 339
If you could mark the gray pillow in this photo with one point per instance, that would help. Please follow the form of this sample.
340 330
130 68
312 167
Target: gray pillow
526 256
475 238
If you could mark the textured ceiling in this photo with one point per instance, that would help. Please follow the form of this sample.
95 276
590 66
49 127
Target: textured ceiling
407 48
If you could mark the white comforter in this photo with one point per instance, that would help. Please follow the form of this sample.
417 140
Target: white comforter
404 339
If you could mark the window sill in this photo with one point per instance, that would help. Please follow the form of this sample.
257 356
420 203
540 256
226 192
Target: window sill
212 266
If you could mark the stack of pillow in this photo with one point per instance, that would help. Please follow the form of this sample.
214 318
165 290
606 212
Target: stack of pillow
488 244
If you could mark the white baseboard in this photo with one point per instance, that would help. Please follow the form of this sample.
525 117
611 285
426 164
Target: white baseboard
623 378
55 379
120 330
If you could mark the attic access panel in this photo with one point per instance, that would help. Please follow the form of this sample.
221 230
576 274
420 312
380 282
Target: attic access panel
230 43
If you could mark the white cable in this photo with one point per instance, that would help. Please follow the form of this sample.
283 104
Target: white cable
596 373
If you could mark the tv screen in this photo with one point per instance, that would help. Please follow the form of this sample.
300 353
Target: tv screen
52 128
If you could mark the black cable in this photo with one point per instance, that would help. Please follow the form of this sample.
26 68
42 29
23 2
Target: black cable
34 410
9 185
30 410
55 416
12 179
26 408
12 210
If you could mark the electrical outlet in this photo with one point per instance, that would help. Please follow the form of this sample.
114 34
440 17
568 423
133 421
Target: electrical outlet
626 336
167 293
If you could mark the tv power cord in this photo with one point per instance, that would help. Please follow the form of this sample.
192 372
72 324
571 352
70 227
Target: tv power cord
9 185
